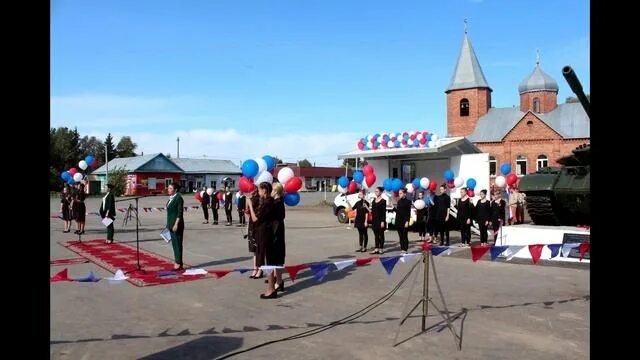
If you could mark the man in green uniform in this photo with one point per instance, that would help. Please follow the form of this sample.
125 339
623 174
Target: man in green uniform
175 222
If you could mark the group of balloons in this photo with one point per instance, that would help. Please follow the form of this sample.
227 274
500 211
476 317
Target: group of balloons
361 179
398 140
506 178
256 171
72 175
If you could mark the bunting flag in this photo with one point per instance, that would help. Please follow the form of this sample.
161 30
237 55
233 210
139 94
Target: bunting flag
388 262
193 272
478 251
407 257
496 251
584 247
343 264
437 250
268 269
365 261
221 273
242 271
294 269
566 248
555 249
60 276
426 246
512 251
320 270
166 273
118 277
536 251
90 278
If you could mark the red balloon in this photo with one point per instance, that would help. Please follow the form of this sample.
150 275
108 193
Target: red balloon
393 138
360 146
404 142
471 193
292 185
396 193
198 196
433 185
412 137
73 171
220 195
423 140
370 179
383 144
450 184
374 147
245 185
512 179
367 169
353 187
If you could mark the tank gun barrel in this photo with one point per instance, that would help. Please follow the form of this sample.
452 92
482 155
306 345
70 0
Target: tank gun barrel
576 87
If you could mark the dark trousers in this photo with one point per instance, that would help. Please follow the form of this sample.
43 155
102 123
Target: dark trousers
484 235
403 235
215 215
444 232
205 211
465 232
363 237
422 228
242 217
379 237
495 226
228 213
176 243
110 231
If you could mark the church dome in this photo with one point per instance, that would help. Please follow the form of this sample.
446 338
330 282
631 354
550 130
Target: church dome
538 81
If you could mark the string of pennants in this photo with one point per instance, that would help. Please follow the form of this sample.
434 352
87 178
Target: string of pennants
321 269
145 209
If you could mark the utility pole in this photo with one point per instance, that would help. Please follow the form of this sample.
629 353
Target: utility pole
178 140
106 158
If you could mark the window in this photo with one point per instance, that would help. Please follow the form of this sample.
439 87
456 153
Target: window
167 182
464 107
492 166
529 123
521 165
536 105
542 162
152 183
213 184
395 173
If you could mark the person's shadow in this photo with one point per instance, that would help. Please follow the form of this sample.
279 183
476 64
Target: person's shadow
205 348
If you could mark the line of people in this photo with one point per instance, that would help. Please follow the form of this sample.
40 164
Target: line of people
72 207
213 202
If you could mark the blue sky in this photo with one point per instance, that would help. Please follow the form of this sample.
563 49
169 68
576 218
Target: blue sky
239 79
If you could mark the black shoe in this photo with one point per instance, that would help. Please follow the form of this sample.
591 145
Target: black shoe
215 223
273 295
280 286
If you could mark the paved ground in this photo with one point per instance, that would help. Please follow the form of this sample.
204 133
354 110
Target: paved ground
514 310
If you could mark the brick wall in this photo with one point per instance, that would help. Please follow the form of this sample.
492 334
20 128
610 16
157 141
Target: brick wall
548 101
479 104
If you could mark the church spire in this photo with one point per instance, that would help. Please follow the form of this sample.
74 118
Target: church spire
468 73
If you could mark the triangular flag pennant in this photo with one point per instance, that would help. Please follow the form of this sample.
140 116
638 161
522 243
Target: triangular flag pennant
388 262
478 251
365 261
221 273
119 276
90 278
437 250
60 276
319 270
426 246
536 251
496 251
166 273
407 257
268 269
555 249
242 271
584 247
343 264
566 248
193 272
512 251
294 269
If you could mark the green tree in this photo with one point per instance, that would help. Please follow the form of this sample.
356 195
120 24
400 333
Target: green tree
352 163
126 147
277 160
64 153
111 150
118 177
304 163
573 99
92 146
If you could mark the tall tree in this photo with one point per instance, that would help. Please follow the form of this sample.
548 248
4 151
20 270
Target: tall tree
111 150
126 147
304 163
92 146
352 163
277 160
573 99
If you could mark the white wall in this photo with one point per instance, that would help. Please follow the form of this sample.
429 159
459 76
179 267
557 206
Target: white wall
381 169
432 169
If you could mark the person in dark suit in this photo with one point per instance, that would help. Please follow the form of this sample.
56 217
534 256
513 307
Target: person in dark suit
362 211
403 215
482 215
465 212
441 219
108 209
242 205
498 210
276 257
65 208
215 206
79 209
421 218
228 205
250 236
205 203
175 223
379 220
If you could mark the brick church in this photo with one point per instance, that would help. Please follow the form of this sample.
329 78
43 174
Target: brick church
532 136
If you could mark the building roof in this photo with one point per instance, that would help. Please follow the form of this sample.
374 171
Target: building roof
315 171
446 147
569 120
538 80
144 163
467 73
207 166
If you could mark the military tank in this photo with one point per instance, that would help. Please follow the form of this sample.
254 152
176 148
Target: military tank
562 195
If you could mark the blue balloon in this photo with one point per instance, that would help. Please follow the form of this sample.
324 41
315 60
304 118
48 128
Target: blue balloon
89 159
64 175
358 176
71 182
448 175
471 183
343 181
377 143
291 199
365 147
416 183
396 143
397 185
505 169
387 184
376 135
271 162
406 137
416 142
250 168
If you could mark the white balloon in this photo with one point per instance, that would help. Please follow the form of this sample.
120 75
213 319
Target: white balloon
434 137
265 176
262 165
419 137
500 181
341 189
424 183
409 188
285 174
458 181
391 144
82 165
419 204
77 177
210 191
202 193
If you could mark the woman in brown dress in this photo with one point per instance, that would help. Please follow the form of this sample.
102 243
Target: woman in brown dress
79 209
263 218
65 208
276 257
251 239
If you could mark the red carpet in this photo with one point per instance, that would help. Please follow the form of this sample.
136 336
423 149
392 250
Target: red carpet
70 261
123 256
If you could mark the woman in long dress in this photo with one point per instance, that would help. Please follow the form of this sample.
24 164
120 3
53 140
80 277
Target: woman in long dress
263 218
